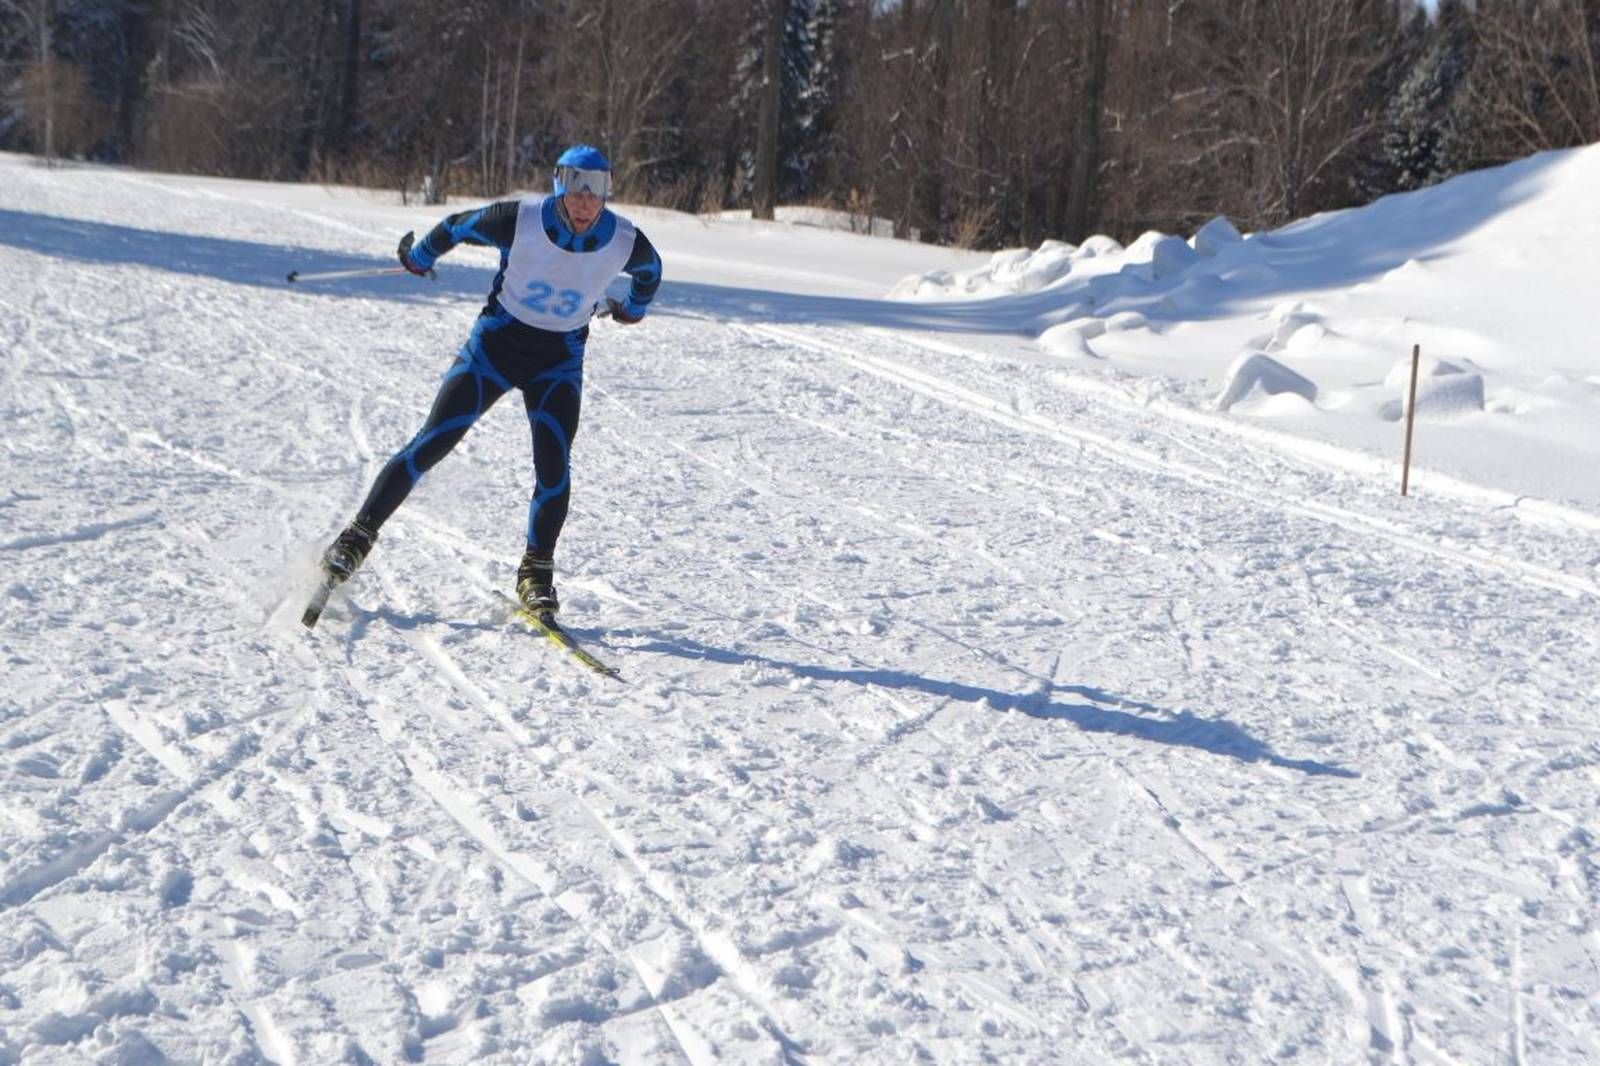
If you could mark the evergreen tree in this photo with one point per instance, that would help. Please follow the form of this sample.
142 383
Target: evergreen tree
1425 136
103 39
793 136
815 108
795 109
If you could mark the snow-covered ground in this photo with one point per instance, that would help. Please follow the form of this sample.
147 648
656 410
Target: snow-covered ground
994 692
1310 330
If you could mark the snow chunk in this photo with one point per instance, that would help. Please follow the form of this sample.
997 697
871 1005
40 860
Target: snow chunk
1292 319
1455 394
1214 237
56 1029
1168 255
1144 245
1305 338
1444 389
1071 339
1440 397
931 285
1019 270
1066 343
1303 332
1097 246
1258 374
1399 376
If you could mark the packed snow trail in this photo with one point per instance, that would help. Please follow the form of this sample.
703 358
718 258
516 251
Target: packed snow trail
971 716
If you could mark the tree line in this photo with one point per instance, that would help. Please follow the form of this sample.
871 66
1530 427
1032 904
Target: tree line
983 123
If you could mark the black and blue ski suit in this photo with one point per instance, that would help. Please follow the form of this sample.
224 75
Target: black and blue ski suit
530 336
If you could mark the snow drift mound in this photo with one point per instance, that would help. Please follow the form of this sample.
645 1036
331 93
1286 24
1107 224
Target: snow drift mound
1014 271
1255 376
1155 256
1070 340
1491 273
1443 390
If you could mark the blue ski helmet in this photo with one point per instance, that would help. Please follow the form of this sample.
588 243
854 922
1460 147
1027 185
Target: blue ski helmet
583 168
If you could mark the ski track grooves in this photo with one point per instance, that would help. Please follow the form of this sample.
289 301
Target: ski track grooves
447 796
133 821
743 979
24 886
910 718
270 1041
1330 457
1387 1020
594 821
1148 462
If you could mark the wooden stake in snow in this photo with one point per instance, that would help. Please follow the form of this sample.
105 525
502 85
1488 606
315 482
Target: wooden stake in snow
1411 418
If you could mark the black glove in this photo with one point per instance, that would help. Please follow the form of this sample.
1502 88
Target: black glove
404 252
619 313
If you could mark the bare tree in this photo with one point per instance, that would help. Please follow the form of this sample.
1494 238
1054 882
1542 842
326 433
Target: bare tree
516 96
1086 120
1286 79
350 83
1536 84
765 178
982 122
976 129
1162 145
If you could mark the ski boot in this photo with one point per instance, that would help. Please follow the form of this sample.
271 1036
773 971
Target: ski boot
347 552
536 589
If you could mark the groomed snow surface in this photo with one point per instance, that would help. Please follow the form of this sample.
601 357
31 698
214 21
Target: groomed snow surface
1039 666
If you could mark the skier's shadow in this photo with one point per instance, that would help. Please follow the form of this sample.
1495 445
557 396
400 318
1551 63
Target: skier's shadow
1124 717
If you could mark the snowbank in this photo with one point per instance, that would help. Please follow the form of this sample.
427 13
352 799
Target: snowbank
1011 272
1492 273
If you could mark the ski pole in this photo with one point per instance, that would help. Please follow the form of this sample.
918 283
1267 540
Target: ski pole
365 272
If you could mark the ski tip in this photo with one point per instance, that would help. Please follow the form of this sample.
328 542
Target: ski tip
309 619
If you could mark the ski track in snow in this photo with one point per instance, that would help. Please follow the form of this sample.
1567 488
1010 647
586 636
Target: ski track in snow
971 715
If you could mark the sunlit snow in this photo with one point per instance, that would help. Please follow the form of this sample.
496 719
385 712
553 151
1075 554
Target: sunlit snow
1029 658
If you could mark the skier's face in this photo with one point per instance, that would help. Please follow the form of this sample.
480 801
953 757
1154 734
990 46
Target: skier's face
582 208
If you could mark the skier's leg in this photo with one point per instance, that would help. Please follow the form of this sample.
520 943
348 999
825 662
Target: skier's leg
553 400
470 387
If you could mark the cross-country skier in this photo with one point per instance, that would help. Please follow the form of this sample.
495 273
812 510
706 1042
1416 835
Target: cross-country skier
557 254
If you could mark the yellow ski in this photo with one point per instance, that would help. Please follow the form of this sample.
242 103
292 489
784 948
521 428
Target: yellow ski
542 623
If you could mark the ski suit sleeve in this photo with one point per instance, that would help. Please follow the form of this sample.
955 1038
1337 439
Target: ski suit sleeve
493 226
644 265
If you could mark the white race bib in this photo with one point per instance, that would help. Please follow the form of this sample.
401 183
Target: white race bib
550 287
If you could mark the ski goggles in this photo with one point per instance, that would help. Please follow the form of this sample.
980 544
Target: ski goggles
576 179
